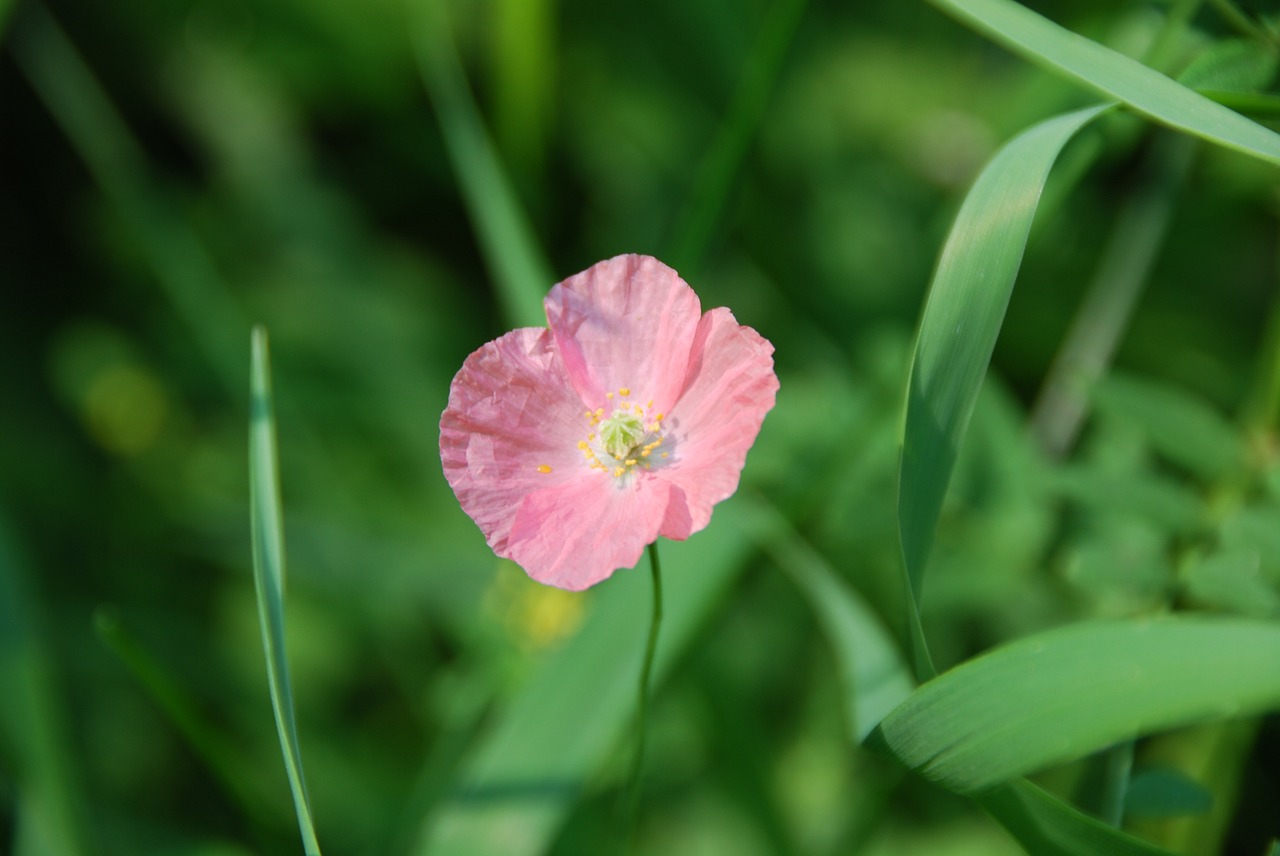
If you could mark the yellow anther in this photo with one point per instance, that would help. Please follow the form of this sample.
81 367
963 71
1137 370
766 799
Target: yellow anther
664 454
599 412
658 418
591 436
619 472
624 391
646 452
608 395
639 410
544 469
631 462
650 404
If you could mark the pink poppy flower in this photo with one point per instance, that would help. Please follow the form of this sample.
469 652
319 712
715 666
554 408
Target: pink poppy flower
575 446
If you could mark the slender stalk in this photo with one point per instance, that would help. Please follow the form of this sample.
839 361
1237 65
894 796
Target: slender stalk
642 713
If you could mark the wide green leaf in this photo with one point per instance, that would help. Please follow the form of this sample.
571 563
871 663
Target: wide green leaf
962 317
1061 695
269 574
1147 91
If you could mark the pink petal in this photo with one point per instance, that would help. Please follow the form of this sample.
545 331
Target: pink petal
730 388
511 410
628 322
574 535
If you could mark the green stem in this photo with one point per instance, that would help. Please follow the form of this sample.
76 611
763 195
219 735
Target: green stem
642 716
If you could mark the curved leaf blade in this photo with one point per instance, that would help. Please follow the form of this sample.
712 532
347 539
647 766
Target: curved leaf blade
958 330
1039 40
1061 695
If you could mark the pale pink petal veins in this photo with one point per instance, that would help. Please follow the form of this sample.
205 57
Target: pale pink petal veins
574 535
730 387
627 322
511 411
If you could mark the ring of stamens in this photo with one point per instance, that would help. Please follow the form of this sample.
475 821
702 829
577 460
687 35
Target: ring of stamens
625 440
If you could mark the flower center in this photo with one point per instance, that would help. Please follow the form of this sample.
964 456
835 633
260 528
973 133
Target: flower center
625 440
622 432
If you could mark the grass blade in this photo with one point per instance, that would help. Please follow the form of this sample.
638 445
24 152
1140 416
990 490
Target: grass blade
181 264
714 182
269 575
958 331
1061 695
1147 91
214 747
510 251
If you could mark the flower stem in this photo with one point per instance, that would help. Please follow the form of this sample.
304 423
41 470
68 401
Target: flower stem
642 715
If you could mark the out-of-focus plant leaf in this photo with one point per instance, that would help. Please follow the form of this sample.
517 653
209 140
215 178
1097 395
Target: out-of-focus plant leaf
1232 65
510 250
1165 793
553 736
874 677
958 332
1043 42
1180 426
33 721
181 264
1232 580
1046 826
1124 568
1145 495
269 576
1063 694
1254 528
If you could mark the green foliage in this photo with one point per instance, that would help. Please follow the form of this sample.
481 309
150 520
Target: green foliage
1086 465
1061 695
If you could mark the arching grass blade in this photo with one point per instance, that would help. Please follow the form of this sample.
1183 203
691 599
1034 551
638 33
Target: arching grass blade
1115 75
958 330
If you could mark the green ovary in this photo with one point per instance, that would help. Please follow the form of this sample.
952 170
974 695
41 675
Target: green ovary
622 432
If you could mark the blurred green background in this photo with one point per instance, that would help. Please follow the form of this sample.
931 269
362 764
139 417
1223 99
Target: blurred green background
177 171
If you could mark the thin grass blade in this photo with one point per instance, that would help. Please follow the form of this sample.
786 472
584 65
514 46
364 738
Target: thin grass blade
181 264
713 184
269 576
1059 696
1040 41
510 251
958 330
211 745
